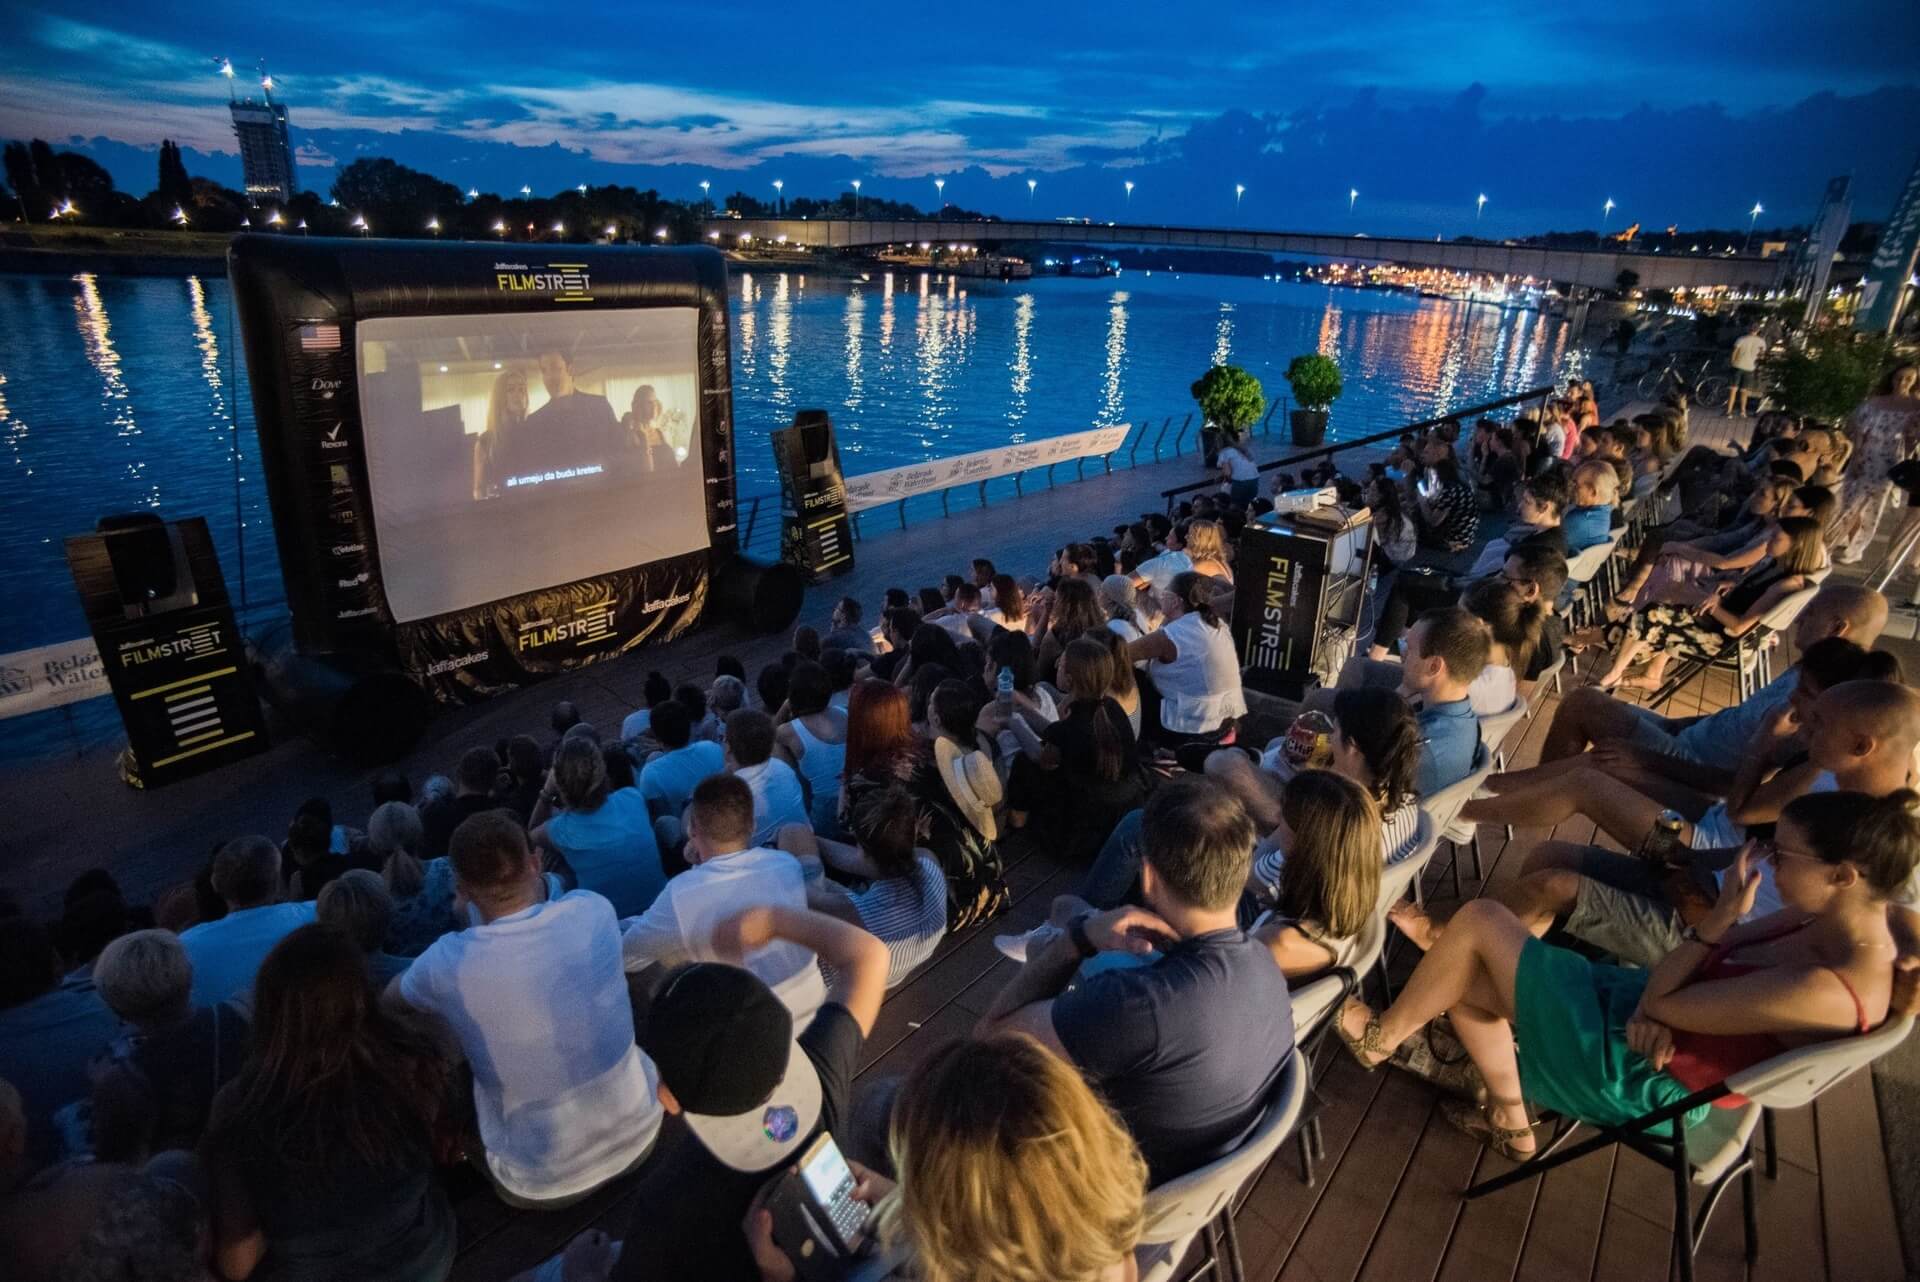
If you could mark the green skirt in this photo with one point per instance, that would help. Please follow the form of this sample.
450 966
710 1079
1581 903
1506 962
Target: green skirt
1570 1019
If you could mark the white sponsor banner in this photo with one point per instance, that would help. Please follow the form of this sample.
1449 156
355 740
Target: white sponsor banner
52 675
898 483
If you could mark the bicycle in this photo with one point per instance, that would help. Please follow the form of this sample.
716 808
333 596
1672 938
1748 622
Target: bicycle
1701 387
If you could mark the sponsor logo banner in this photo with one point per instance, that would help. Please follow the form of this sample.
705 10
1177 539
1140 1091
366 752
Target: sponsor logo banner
50 676
876 488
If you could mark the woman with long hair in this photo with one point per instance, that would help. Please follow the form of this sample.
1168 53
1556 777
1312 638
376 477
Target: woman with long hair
1399 540
1009 608
1081 773
1123 689
320 1152
1607 1044
1795 553
1206 547
1448 514
1884 430
1329 883
1075 611
1192 663
1010 1170
506 411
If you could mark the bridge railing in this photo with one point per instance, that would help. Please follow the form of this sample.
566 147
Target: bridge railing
1145 441
1464 414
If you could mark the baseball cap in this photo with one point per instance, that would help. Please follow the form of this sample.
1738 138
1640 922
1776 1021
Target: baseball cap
724 1046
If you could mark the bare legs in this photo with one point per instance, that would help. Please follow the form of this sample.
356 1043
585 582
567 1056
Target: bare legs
1622 811
1584 718
1470 973
1631 648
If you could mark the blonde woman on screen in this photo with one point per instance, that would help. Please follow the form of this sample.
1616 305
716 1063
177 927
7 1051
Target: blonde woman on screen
506 411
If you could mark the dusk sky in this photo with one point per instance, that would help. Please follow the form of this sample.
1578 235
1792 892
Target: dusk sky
1682 112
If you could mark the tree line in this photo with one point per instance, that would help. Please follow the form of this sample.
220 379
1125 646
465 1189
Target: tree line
390 199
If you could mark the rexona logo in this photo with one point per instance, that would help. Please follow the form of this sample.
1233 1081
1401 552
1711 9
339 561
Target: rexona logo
561 282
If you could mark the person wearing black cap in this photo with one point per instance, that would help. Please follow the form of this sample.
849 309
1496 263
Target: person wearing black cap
743 1095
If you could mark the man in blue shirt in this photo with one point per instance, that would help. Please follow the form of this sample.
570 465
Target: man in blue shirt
1186 1046
49 1030
668 781
227 953
1441 656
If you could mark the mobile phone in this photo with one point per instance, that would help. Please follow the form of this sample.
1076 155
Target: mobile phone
1428 485
816 1217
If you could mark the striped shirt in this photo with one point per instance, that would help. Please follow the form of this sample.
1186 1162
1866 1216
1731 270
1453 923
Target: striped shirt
907 914
1397 837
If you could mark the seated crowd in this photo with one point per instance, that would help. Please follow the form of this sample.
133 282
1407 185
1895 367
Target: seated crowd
652 953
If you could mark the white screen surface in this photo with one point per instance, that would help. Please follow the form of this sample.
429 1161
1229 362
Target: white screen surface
827 1174
508 453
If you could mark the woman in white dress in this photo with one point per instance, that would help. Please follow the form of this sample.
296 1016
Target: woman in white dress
1884 430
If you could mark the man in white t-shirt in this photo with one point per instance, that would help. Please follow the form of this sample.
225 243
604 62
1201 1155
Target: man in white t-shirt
1747 351
728 872
535 993
1159 571
778 798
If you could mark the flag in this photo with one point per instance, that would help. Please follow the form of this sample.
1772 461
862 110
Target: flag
319 338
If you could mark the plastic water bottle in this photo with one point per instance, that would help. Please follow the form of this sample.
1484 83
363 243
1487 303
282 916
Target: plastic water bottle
1006 687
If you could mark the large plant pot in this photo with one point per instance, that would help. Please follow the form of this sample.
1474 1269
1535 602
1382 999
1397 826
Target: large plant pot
1309 426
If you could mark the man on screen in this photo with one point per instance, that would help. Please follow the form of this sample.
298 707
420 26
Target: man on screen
573 430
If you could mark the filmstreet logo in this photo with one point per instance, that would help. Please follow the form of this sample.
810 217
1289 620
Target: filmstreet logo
562 282
589 623
444 666
1275 604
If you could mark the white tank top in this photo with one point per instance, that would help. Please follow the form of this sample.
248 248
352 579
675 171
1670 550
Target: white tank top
821 763
1200 688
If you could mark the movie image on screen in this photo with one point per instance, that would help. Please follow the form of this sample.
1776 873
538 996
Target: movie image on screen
508 453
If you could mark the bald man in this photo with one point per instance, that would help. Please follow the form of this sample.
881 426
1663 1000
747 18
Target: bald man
1701 753
1858 736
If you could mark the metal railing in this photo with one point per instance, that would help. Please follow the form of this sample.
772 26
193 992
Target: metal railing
762 537
1464 413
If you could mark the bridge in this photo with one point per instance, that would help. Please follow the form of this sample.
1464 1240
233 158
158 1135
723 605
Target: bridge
1594 268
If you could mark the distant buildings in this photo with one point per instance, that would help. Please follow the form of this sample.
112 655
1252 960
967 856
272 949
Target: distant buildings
266 156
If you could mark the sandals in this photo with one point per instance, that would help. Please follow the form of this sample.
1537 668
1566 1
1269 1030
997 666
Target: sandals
1370 1041
1477 1120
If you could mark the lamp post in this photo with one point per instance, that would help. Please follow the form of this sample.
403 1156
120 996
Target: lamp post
1753 218
612 231
1353 195
359 223
581 188
856 198
500 228
1606 212
1479 206
940 188
473 193
1129 186
705 189
1239 190
559 229
1031 184
433 225
780 197
525 190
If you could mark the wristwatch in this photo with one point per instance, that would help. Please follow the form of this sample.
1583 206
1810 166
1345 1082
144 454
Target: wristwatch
1077 932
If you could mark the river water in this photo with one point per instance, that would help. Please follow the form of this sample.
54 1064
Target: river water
118 393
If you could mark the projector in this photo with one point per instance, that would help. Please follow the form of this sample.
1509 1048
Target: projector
1295 502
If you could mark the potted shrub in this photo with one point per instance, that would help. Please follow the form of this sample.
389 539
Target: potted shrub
1231 400
1316 385
1830 376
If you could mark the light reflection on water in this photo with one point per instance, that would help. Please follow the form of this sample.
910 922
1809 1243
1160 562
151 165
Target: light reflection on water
136 397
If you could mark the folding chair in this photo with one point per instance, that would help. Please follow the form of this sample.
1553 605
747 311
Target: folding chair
1182 1209
1494 728
1750 654
1583 571
1445 807
1712 1154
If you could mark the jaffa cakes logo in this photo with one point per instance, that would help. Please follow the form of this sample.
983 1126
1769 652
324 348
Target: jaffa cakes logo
585 626
560 282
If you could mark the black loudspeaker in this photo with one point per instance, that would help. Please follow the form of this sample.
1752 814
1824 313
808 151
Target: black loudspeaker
149 563
760 597
369 712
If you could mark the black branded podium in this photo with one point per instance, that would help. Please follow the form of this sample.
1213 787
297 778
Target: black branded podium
814 534
1299 585
157 605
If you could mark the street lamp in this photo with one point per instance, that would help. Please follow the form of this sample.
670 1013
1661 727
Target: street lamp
274 219
612 231
582 189
1031 184
303 226
1239 190
359 223
1479 205
780 196
856 198
559 229
433 224
500 228
1753 217
525 190
180 215
940 187
1606 212
659 233
473 193
1353 194
1129 186
705 186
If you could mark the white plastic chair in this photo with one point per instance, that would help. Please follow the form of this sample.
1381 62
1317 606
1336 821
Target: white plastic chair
1182 1209
1445 807
1750 654
1494 728
1583 571
1720 1149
